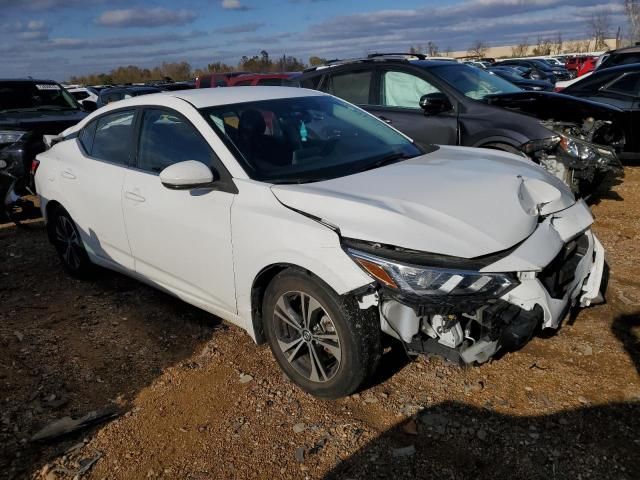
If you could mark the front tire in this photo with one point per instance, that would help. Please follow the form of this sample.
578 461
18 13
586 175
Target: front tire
66 239
324 343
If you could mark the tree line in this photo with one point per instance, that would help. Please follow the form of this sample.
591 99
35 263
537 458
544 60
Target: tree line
180 71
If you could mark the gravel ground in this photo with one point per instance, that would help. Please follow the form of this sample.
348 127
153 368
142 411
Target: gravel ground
198 400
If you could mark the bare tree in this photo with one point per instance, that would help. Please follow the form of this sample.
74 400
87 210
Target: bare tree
557 44
543 47
632 9
432 49
477 49
599 26
520 50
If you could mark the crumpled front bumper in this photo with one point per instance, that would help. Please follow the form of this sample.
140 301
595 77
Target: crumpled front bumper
539 252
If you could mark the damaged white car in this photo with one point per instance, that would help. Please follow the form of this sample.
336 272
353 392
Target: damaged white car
317 227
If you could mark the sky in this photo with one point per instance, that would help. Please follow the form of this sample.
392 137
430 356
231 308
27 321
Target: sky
60 38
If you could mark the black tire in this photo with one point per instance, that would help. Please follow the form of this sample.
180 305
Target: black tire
65 237
356 332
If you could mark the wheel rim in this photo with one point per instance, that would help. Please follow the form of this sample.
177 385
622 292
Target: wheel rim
307 336
68 242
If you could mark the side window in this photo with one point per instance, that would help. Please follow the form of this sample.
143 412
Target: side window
113 139
626 85
86 137
167 138
400 89
311 83
351 86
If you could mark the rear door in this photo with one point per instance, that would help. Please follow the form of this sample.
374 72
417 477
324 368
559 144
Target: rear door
180 239
397 101
92 185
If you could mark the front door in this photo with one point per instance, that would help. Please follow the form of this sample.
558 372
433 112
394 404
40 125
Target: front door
180 239
398 103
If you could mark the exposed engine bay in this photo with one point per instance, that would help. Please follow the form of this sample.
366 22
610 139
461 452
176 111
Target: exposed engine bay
582 154
468 316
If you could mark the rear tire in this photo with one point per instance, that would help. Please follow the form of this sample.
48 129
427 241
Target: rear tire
66 239
324 343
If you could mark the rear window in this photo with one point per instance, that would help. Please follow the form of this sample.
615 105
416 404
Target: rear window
35 96
353 87
626 85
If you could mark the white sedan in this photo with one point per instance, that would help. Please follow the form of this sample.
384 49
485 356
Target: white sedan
317 227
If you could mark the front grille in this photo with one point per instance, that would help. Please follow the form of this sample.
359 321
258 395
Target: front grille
559 274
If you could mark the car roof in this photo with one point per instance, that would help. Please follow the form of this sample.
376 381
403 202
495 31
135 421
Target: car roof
620 68
213 97
631 49
26 80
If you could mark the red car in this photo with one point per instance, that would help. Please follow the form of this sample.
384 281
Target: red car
211 80
264 79
589 65
575 63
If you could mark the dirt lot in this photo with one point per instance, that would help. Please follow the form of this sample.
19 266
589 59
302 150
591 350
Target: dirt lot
200 401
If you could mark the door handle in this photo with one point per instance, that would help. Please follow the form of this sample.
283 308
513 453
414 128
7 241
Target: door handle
385 119
134 196
68 174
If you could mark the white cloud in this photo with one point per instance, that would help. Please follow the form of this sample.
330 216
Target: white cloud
145 17
233 5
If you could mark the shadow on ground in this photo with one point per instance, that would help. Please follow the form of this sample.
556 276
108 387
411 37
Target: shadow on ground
459 441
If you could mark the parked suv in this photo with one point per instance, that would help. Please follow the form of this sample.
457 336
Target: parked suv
453 104
29 109
621 56
455 251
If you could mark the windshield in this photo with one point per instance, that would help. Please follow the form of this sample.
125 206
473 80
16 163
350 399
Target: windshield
306 139
508 74
19 96
473 82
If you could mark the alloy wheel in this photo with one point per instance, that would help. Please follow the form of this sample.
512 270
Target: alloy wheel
307 336
68 242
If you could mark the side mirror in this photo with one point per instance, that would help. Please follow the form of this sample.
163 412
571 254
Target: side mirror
187 175
89 105
434 103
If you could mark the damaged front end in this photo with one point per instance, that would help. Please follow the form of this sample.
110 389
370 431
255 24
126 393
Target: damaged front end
584 138
577 153
467 310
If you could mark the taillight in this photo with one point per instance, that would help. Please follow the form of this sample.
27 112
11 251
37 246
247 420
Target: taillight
34 166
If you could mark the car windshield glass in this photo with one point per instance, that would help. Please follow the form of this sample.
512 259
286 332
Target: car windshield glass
473 82
35 96
306 139
508 74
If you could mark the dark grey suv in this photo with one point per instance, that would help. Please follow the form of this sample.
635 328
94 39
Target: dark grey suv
449 103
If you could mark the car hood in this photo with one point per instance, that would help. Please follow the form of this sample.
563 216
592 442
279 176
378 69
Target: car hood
455 201
43 122
556 106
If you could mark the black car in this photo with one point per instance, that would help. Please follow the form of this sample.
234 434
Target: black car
621 56
514 76
539 70
440 102
29 109
620 87
113 94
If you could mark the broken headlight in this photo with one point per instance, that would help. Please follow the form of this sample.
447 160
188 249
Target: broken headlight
585 151
543 144
424 281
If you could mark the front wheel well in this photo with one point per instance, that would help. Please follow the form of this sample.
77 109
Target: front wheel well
258 289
